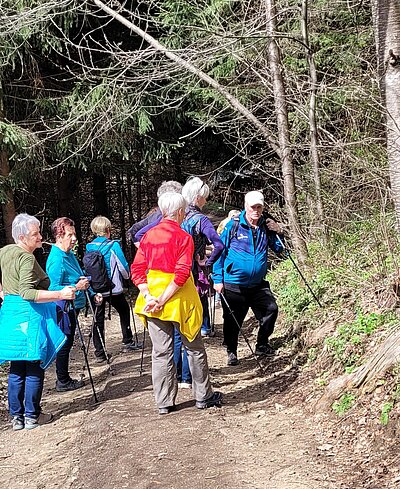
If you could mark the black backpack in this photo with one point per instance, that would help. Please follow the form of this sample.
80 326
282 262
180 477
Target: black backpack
95 268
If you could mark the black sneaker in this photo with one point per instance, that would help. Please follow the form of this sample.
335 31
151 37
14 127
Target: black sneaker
103 358
166 410
214 401
232 359
265 350
71 385
132 346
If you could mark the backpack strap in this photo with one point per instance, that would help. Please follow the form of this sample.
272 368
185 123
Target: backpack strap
234 229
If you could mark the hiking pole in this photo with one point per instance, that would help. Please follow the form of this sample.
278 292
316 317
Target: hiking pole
211 303
82 341
94 323
241 331
211 306
298 270
142 355
133 318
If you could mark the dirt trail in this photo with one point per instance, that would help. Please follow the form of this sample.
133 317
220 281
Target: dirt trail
254 441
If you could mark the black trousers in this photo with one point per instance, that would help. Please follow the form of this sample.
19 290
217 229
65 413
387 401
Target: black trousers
262 303
62 358
121 305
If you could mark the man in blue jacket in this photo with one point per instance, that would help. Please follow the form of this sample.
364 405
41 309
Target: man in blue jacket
240 274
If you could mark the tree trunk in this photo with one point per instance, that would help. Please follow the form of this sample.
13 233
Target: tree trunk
69 198
314 154
100 195
8 207
121 208
386 15
385 358
281 111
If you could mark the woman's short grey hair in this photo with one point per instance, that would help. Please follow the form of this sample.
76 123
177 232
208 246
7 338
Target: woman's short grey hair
21 224
194 188
170 203
169 186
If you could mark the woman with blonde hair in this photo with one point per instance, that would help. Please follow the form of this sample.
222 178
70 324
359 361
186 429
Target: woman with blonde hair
117 270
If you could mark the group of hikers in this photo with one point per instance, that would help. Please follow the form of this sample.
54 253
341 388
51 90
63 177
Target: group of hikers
179 255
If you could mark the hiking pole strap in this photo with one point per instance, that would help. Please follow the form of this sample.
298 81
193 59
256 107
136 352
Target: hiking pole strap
299 272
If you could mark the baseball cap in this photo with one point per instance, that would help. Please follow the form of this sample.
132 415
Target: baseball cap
254 198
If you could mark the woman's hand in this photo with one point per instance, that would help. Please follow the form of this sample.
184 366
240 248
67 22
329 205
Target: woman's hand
98 298
202 262
82 284
152 304
67 293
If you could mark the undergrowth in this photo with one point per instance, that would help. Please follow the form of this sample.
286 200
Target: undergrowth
345 275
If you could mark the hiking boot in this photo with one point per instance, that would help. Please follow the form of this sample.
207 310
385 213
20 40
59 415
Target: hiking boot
214 401
265 350
232 359
166 410
70 385
17 423
31 423
102 358
185 385
132 346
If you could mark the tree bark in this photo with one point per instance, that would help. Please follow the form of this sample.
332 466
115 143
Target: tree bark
281 112
386 15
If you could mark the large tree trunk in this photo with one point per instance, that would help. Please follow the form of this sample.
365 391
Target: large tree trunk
386 15
281 112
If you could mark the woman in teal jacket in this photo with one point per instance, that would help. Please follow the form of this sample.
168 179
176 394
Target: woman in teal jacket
63 269
29 333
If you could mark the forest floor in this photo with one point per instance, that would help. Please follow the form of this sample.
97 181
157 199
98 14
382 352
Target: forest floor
264 437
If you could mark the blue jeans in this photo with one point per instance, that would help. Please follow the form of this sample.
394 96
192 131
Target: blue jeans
206 326
25 387
181 359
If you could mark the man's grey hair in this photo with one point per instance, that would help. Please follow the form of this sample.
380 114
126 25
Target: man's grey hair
170 203
169 186
194 188
21 225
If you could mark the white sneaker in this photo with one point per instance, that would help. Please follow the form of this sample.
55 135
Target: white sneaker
184 385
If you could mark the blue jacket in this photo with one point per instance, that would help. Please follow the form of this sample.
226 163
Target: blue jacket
114 259
244 260
63 269
29 331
